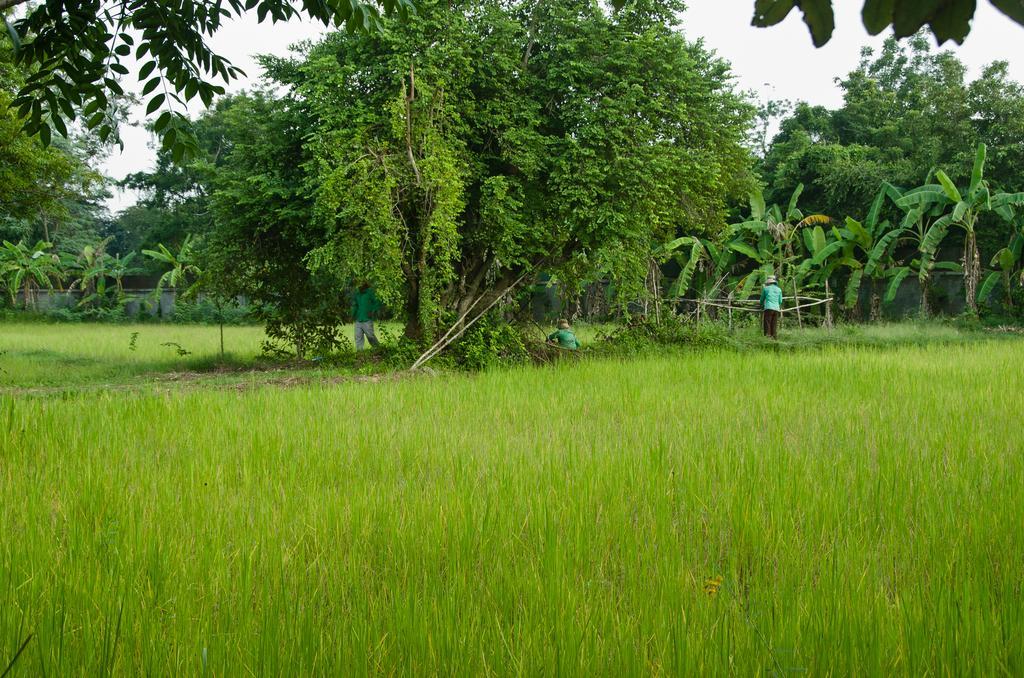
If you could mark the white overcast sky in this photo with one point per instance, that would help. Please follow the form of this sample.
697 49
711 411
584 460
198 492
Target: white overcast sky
778 62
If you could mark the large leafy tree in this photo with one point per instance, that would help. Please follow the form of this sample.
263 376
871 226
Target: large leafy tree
263 229
463 150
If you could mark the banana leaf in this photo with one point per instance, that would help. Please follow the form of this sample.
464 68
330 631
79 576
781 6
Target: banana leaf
923 196
876 209
746 249
809 242
672 246
792 213
881 250
894 285
860 234
853 288
948 187
757 206
827 252
1005 259
960 210
936 234
911 218
978 171
685 279
988 286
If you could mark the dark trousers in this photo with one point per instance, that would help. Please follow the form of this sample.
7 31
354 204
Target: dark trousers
770 323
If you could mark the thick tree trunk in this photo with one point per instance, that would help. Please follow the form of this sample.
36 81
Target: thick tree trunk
972 270
413 329
926 309
875 310
474 270
413 324
876 305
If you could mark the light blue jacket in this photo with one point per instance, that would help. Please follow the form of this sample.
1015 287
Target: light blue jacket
771 298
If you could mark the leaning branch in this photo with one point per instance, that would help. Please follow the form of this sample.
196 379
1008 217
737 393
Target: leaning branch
451 335
530 42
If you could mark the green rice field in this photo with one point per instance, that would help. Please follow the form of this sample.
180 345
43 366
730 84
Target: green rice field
849 511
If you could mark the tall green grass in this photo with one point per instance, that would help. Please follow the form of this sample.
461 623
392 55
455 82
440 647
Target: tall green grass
861 507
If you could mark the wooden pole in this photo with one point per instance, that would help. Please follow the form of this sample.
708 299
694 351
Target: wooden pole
796 295
828 306
657 291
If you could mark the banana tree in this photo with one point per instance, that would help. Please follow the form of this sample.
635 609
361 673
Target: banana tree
182 275
825 256
923 228
716 272
90 265
119 268
1007 261
688 252
758 246
872 243
769 238
962 209
24 268
704 267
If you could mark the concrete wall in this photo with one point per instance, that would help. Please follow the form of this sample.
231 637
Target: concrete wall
138 300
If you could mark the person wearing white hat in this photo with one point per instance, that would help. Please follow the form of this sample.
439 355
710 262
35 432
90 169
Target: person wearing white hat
564 336
771 307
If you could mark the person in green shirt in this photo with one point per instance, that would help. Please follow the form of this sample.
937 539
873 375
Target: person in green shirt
771 305
564 337
364 307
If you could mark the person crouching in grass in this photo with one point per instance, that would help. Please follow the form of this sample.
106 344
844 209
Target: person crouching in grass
563 337
364 307
771 305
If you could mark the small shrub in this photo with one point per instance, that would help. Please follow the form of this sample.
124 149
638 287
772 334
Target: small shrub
491 341
646 336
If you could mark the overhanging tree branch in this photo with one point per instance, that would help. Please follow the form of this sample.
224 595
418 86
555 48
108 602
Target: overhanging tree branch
7 4
950 20
79 52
